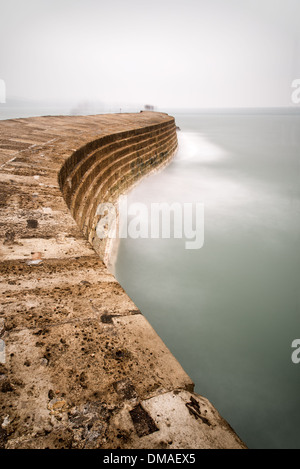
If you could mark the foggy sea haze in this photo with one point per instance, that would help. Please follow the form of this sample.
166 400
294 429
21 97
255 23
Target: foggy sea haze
229 312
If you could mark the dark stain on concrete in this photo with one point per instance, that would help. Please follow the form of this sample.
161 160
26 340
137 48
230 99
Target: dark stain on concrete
143 423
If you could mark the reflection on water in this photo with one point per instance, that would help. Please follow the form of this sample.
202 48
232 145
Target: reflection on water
230 311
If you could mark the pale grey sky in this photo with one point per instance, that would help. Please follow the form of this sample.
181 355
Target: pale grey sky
170 53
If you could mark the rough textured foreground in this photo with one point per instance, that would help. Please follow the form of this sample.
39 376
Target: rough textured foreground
81 367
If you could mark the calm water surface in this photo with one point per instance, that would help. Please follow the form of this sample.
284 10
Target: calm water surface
229 312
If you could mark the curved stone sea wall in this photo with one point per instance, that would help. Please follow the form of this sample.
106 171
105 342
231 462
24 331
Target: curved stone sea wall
80 366
107 167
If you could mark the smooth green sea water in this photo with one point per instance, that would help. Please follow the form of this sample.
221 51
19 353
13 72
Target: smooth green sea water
229 312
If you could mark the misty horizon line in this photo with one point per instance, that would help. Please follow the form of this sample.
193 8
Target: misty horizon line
13 100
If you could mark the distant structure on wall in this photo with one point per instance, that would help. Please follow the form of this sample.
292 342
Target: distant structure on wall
2 92
149 107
